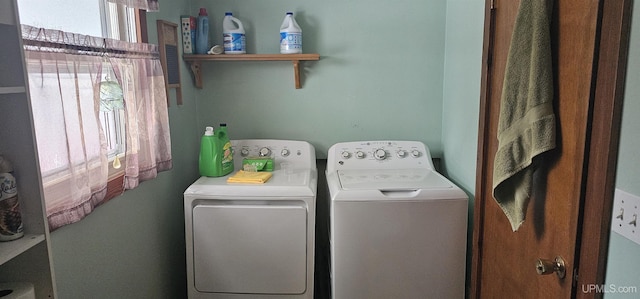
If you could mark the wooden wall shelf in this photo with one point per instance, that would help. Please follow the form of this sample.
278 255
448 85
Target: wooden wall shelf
196 60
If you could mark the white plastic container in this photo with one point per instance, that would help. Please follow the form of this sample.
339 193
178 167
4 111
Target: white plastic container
233 38
11 227
290 36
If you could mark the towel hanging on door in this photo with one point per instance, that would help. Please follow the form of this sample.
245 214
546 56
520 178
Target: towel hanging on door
526 125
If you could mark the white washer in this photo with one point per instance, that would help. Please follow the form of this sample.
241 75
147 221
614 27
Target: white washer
254 240
397 227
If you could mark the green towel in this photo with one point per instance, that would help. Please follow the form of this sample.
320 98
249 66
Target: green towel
526 125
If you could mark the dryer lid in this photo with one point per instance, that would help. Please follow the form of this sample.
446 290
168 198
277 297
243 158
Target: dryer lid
294 183
392 179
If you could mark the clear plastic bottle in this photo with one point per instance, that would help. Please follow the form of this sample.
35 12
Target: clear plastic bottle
233 35
202 32
10 218
290 35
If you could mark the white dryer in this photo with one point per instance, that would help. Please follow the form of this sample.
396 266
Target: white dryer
398 228
254 240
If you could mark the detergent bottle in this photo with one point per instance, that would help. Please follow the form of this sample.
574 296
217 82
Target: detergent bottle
227 151
207 145
233 37
202 32
216 155
290 36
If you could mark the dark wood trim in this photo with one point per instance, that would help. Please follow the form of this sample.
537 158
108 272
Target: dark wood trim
115 187
141 24
483 133
603 146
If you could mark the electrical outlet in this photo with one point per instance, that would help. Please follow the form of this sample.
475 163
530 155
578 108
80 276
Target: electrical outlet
624 219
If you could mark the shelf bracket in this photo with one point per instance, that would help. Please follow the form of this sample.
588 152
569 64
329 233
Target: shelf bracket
194 65
296 73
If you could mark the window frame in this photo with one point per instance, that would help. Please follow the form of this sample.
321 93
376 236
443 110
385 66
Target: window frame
115 183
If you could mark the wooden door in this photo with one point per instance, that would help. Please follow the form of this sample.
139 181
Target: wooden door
568 214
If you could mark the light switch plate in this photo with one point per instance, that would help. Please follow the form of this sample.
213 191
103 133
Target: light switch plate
626 210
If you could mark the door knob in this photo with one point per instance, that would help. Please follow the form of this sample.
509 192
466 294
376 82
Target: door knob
544 267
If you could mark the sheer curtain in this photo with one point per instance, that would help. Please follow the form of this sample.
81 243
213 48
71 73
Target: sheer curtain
147 123
65 71
148 5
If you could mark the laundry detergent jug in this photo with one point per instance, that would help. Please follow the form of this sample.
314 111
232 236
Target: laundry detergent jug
216 156
202 32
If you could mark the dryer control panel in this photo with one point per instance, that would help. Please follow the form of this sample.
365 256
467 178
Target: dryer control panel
379 155
297 154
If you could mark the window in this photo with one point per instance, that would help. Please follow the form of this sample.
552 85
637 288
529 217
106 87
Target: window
117 21
96 99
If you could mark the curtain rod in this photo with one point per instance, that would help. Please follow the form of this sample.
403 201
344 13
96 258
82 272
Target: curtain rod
34 39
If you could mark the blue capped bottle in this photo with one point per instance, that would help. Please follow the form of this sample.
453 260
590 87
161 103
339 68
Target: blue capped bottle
290 36
233 35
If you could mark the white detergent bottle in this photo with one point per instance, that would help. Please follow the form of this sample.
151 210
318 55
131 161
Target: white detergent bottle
233 38
290 36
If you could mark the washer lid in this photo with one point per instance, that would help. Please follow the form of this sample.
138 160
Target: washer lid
391 179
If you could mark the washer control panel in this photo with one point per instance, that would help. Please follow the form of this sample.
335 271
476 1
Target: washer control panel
379 155
299 154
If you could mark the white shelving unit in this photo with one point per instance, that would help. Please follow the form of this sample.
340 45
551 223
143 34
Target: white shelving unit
27 259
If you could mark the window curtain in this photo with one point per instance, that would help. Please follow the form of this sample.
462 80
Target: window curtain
65 71
148 5
142 82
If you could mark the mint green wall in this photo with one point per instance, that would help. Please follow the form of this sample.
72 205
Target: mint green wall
364 87
623 267
461 98
133 246
380 74
388 70
461 103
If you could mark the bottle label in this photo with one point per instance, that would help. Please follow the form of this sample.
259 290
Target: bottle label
10 218
290 41
234 42
8 186
227 158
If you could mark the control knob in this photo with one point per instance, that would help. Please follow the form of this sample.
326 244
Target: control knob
402 153
380 154
415 153
360 155
264 152
244 152
346 155
285 152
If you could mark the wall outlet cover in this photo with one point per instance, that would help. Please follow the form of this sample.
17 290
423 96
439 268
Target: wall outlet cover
624 219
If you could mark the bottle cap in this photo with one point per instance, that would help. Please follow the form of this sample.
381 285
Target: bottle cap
228 13
208 131
203 11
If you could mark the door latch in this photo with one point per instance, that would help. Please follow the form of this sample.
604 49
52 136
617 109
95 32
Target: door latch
544 267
